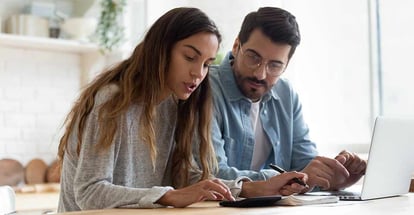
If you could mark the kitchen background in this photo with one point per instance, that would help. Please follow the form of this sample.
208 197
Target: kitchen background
39 80
352 64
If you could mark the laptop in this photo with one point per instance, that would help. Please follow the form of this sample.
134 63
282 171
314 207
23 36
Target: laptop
390 163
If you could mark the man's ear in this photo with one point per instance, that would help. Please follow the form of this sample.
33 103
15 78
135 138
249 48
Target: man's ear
236 46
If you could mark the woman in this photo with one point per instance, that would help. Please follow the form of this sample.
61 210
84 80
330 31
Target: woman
128 138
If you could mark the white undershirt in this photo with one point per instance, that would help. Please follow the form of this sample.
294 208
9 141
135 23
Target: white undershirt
262 146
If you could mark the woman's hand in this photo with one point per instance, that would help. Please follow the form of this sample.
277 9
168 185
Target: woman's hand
210 189
278 185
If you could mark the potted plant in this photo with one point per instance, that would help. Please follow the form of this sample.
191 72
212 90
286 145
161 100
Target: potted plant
110 31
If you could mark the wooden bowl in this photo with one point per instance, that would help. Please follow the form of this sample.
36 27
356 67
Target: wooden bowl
11 172
35 172
53 173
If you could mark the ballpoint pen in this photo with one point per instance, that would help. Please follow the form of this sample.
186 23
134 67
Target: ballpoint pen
280 170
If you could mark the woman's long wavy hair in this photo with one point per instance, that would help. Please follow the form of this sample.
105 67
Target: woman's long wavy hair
141 80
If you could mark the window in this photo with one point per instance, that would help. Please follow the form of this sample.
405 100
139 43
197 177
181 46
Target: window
331 70
397 44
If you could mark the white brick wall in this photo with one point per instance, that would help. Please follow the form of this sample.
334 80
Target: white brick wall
37 88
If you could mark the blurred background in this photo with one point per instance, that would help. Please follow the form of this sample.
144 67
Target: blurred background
353 62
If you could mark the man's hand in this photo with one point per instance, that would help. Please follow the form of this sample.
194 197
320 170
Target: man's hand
335 174
325 172
355 165
281 184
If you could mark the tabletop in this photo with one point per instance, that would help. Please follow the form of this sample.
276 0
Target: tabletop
395 205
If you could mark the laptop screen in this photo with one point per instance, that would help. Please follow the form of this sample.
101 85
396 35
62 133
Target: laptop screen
390 158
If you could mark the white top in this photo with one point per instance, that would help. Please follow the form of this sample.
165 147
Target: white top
262 146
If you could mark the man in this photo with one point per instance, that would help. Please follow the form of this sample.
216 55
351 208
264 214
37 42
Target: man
258 116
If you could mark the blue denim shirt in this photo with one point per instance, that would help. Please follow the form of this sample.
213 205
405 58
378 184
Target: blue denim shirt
232 132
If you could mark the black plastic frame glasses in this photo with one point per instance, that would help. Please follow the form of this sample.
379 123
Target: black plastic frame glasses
253 61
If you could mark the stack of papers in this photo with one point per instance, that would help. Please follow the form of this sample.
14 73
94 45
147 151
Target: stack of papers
297 200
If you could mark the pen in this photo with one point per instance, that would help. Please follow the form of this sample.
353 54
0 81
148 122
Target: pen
280 170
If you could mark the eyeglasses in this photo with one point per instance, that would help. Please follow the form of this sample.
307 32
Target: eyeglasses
253 61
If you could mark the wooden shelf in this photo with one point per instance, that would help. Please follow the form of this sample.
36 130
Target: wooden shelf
47 44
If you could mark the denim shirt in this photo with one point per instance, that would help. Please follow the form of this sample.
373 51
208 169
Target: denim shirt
232 132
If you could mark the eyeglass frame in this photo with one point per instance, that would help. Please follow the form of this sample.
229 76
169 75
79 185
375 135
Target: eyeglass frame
258 65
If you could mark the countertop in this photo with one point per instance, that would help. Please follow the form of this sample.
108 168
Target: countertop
37 203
